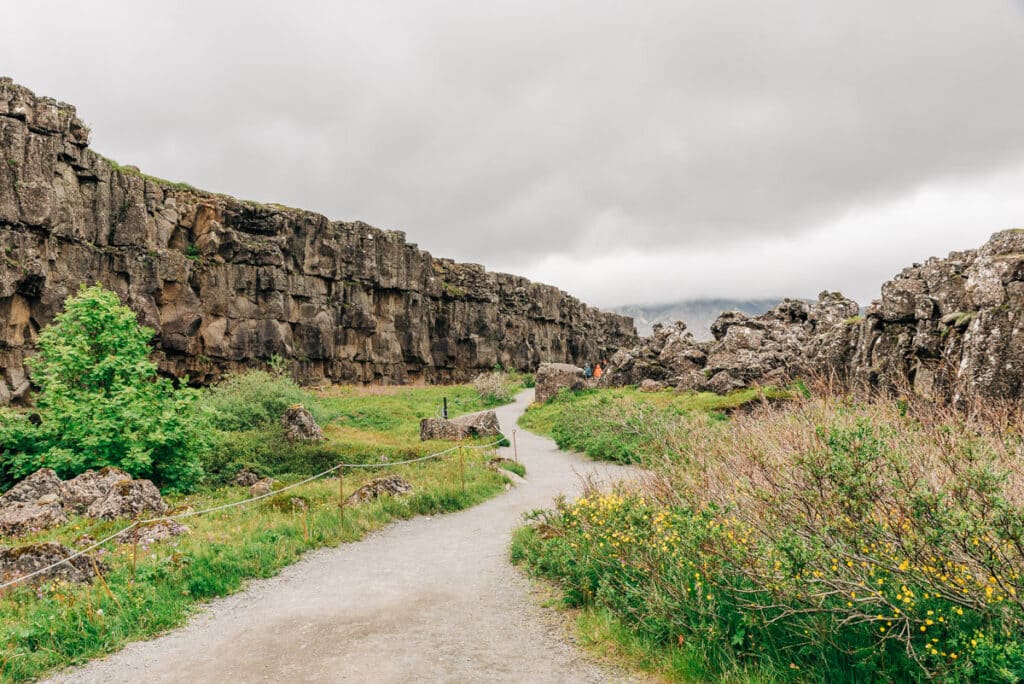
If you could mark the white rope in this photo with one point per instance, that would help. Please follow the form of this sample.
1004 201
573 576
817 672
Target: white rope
188 514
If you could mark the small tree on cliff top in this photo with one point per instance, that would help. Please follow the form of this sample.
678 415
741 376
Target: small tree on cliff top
102 403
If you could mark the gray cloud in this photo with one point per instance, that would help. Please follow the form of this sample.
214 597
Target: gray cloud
512 132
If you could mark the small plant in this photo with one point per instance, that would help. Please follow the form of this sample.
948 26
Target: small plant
192 251
278 364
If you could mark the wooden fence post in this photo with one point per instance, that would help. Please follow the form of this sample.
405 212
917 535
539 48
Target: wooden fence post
341 494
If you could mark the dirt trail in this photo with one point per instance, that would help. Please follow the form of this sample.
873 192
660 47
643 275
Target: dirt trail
429 599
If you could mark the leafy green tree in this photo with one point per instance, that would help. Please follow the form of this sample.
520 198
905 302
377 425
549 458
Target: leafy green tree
102 402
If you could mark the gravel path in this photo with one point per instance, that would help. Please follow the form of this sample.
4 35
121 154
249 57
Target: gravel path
429 599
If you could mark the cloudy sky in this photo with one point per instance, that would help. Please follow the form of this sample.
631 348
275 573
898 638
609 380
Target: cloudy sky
627 152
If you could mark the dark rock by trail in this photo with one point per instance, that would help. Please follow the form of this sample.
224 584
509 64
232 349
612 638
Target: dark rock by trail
482 424
23 560
300 426
551 377
392 485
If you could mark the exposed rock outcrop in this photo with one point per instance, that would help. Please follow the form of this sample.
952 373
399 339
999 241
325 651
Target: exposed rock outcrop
228 284
42 500
128 498
24 560
262 487
149 532
482 424
551 377
392 485
790 341
300 425
951 329
245 478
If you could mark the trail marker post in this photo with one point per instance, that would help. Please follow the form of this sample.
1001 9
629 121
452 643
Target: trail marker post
515 448
444 407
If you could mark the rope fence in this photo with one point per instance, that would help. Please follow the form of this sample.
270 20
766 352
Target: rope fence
214 509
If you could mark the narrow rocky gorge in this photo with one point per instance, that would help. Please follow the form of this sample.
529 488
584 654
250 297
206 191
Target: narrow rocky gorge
229 284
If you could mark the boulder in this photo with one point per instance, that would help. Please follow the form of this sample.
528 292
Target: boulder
128 498
392 485
300 426
41 483
152 531
651 386
245 478
552 377
19 517
262 487
482 424
80 493
23 560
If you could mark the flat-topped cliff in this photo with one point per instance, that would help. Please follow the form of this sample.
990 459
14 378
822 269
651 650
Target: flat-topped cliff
229 284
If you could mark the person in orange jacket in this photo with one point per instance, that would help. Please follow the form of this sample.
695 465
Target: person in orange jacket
598 372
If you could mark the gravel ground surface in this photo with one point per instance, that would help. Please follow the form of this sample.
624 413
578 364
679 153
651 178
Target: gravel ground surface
429 599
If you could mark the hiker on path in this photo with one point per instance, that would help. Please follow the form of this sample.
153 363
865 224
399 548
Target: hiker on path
598 372
588 372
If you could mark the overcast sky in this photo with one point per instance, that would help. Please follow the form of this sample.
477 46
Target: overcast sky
626 152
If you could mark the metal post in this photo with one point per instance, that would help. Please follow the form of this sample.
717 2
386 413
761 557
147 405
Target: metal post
444 408
515 449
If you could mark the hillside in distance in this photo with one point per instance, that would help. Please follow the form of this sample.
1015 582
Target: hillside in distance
698 314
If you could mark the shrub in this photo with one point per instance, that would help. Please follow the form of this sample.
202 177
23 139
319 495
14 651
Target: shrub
496 388
102 403
256 399
833 541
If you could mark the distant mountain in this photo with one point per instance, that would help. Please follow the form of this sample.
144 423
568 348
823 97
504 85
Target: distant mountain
698 314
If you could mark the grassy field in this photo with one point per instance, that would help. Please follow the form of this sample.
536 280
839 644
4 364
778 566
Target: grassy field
820 539
155 587
626 425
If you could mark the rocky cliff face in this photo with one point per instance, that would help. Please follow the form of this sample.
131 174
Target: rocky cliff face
228 284
952 329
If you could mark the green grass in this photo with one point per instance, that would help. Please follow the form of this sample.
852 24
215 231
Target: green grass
362 425
626 425
513 467
56 624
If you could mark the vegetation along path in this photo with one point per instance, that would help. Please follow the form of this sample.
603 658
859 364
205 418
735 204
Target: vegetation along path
429 599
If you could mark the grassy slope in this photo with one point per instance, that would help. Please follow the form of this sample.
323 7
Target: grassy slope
58 624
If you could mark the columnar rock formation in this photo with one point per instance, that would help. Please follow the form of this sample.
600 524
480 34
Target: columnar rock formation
229 284
950 328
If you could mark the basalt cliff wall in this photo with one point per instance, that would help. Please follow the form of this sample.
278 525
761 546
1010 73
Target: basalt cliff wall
950 328
228 284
